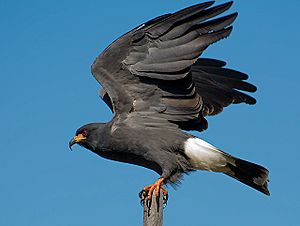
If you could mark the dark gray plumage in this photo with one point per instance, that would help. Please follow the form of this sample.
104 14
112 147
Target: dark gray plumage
156 85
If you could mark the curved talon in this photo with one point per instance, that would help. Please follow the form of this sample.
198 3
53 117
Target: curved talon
165 200
147 192
148 203
142 195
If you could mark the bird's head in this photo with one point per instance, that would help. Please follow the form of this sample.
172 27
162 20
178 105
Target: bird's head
87 136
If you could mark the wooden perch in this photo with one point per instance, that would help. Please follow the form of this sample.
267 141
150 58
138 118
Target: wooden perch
153 216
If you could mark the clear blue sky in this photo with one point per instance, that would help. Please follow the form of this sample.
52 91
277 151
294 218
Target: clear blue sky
47 92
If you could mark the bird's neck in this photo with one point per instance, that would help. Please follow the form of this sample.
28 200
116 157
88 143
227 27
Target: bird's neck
100 137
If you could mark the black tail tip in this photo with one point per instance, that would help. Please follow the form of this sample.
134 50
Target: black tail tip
262 182
250 174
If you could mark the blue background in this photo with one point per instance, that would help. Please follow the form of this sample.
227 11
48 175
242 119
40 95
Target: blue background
47 92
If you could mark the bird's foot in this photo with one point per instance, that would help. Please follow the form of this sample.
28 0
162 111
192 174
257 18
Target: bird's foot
147 193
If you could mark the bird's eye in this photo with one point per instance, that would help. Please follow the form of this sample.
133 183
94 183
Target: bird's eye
84 133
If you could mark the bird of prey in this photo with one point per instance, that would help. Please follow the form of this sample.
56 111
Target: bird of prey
157 86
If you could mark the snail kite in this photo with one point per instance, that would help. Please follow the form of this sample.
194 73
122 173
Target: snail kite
156 86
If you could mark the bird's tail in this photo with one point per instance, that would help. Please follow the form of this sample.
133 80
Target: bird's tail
249 173
204 156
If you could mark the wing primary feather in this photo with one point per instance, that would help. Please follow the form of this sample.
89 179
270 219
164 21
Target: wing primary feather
176 56
162 26
214 25
220 71
181 26
209 62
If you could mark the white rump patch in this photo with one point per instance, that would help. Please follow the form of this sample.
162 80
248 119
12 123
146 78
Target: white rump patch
204 156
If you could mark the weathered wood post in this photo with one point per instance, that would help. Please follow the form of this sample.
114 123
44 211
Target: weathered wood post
153 216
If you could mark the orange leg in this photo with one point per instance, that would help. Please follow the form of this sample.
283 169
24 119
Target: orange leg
157 186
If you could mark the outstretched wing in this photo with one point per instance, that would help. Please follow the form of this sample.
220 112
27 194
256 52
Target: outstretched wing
219 86
153 71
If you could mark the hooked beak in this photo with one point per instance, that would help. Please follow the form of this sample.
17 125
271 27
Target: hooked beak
75 140
71 143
